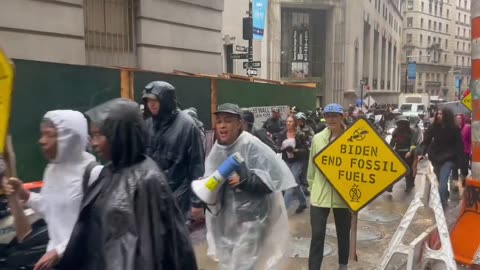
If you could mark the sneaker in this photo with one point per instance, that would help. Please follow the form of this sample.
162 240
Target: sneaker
300 209
408 189
342 267
390 189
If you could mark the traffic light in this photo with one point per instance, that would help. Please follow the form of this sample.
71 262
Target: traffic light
247 28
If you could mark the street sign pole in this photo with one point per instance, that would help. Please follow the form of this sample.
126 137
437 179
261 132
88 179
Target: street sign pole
250 40
406 75
362 84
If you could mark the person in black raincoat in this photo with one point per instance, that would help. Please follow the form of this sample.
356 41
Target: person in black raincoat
129 219
175 143
249 126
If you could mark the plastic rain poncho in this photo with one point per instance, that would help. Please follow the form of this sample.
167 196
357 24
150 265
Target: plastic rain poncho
129 218
244 230
59 200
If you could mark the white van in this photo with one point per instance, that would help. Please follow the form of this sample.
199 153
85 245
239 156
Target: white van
409 109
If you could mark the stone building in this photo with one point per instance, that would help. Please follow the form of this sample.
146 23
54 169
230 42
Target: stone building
335 44
437 40
159 35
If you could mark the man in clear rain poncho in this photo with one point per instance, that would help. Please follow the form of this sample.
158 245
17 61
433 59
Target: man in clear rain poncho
248 227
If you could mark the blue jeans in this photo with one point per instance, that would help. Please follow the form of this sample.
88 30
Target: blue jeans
443 173
296 168
295 193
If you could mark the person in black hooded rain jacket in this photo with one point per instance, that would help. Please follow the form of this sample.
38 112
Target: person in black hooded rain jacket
175 143
129 219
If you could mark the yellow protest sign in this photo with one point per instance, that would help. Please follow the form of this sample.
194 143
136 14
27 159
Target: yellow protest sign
360 165
6 89
467 101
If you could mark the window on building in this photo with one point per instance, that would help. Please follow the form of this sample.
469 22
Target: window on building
423 6
459 3
458 31
409 22
445 58
439 41
421 23
419 78
409 38
430 8
465 18
435 26
410 4
463 60
456 61
445 78
303 34
438 77
466 6
429 24
421 39
409 53
434 40
441 11
440 27
436 9
110 32
428 42
464 33
458 45
464 46
448 13
468 46
446 44
427 77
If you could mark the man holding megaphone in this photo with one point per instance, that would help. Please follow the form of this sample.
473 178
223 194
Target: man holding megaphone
247 226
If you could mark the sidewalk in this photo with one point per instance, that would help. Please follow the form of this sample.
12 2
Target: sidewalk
376 226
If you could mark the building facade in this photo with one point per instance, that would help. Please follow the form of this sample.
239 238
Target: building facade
437 42
158 35
374 48
335 44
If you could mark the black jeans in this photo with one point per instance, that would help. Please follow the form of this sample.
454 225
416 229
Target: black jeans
318 221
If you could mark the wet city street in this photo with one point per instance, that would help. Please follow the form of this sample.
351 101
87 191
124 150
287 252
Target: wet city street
376 225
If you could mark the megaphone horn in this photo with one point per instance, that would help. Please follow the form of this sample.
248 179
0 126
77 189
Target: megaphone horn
207 188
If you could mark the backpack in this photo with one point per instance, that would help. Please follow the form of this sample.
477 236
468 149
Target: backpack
87 174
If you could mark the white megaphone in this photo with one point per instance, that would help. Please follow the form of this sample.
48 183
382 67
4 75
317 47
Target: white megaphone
207 188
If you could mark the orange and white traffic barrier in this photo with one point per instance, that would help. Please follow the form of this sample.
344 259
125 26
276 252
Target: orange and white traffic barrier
465 236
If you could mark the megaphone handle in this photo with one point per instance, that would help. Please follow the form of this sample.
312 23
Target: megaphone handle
228 167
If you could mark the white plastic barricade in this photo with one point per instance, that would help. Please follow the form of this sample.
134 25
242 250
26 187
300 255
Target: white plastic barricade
417 251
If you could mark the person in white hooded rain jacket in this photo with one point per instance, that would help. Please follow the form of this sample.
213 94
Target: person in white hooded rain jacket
64 139
248 227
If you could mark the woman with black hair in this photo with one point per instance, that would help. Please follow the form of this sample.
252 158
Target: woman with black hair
443 144
129 218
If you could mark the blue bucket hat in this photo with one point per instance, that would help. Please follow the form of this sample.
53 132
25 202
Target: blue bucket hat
333 108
